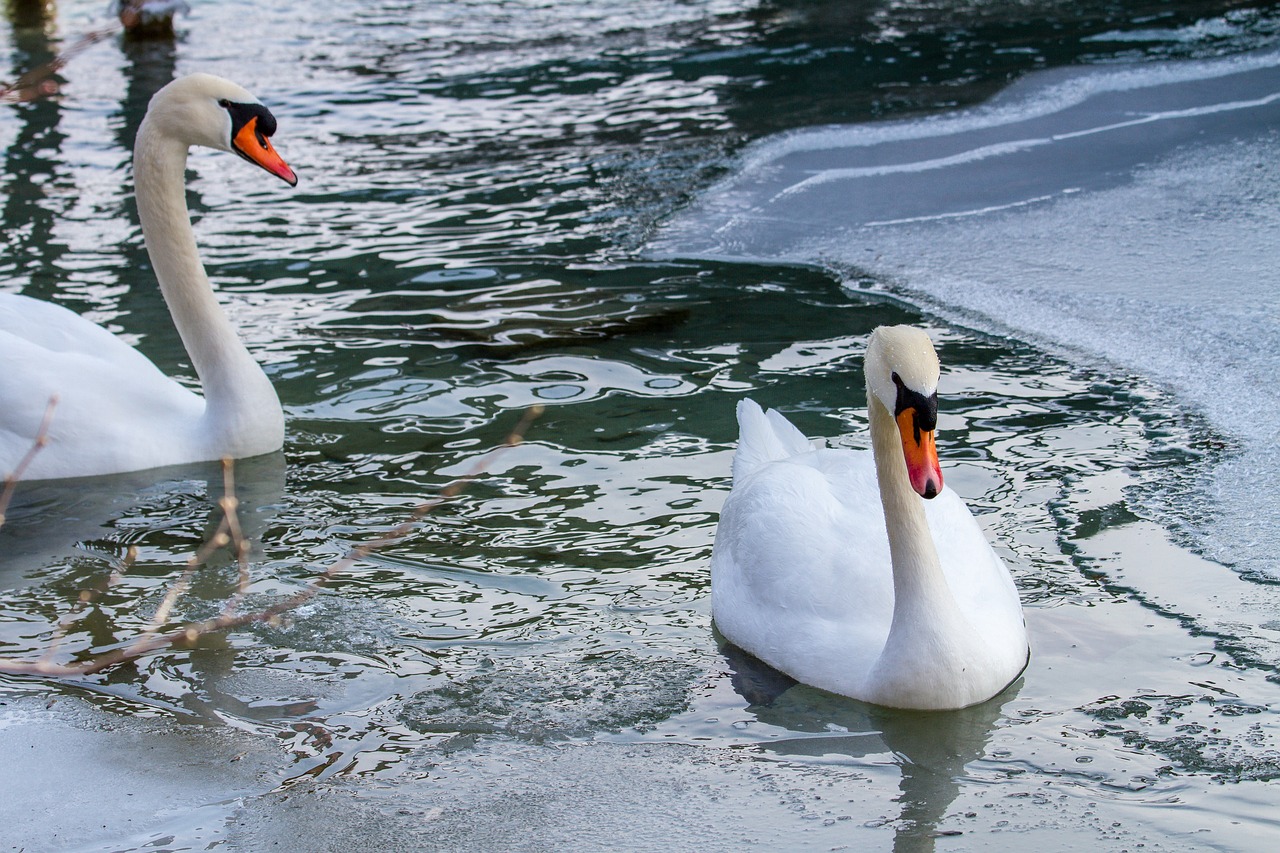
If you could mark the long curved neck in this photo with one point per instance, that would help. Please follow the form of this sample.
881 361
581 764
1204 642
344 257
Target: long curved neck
234 385
915 560
931 655
921 594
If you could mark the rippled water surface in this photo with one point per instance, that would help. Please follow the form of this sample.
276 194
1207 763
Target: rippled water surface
534 665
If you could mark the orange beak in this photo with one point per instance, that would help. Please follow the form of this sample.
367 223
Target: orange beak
921 454
256 147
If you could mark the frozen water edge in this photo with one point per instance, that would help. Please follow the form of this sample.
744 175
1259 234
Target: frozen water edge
1121 216
81 778
1172 276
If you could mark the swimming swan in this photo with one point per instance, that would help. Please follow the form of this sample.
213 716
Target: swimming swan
804 577
115 410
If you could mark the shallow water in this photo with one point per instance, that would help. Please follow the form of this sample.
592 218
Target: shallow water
534 667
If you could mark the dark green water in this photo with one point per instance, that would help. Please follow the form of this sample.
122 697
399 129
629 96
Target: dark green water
534 667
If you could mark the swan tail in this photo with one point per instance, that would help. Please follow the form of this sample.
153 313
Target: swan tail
764 437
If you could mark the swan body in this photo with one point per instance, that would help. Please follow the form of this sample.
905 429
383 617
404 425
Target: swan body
833 567
115 411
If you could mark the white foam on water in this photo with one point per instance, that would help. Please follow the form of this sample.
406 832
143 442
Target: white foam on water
1126 216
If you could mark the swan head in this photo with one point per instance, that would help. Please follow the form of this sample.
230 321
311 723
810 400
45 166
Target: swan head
202 109
902 374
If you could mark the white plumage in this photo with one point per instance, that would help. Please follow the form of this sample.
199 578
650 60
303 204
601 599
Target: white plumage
115 410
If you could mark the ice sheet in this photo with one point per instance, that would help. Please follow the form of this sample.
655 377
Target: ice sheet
1124 216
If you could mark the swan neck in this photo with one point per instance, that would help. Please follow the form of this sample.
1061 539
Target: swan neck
916 569
227 372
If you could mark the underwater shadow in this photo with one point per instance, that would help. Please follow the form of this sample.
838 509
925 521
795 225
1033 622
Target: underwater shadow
931 748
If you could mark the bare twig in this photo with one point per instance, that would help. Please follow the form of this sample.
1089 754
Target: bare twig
38 82
229 505
38 444
176 590
229 532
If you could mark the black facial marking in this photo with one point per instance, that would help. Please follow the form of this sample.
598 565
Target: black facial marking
241 114
924 409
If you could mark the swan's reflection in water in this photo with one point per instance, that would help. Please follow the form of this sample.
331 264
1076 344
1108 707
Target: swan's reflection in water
63 537
931 748
53 521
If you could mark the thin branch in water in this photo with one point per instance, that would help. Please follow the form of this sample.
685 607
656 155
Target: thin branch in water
229 532
86 598
176 590
38 82
130 557
38 443
451 490
229 505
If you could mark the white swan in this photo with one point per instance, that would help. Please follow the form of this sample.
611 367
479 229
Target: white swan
115 410
804 577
